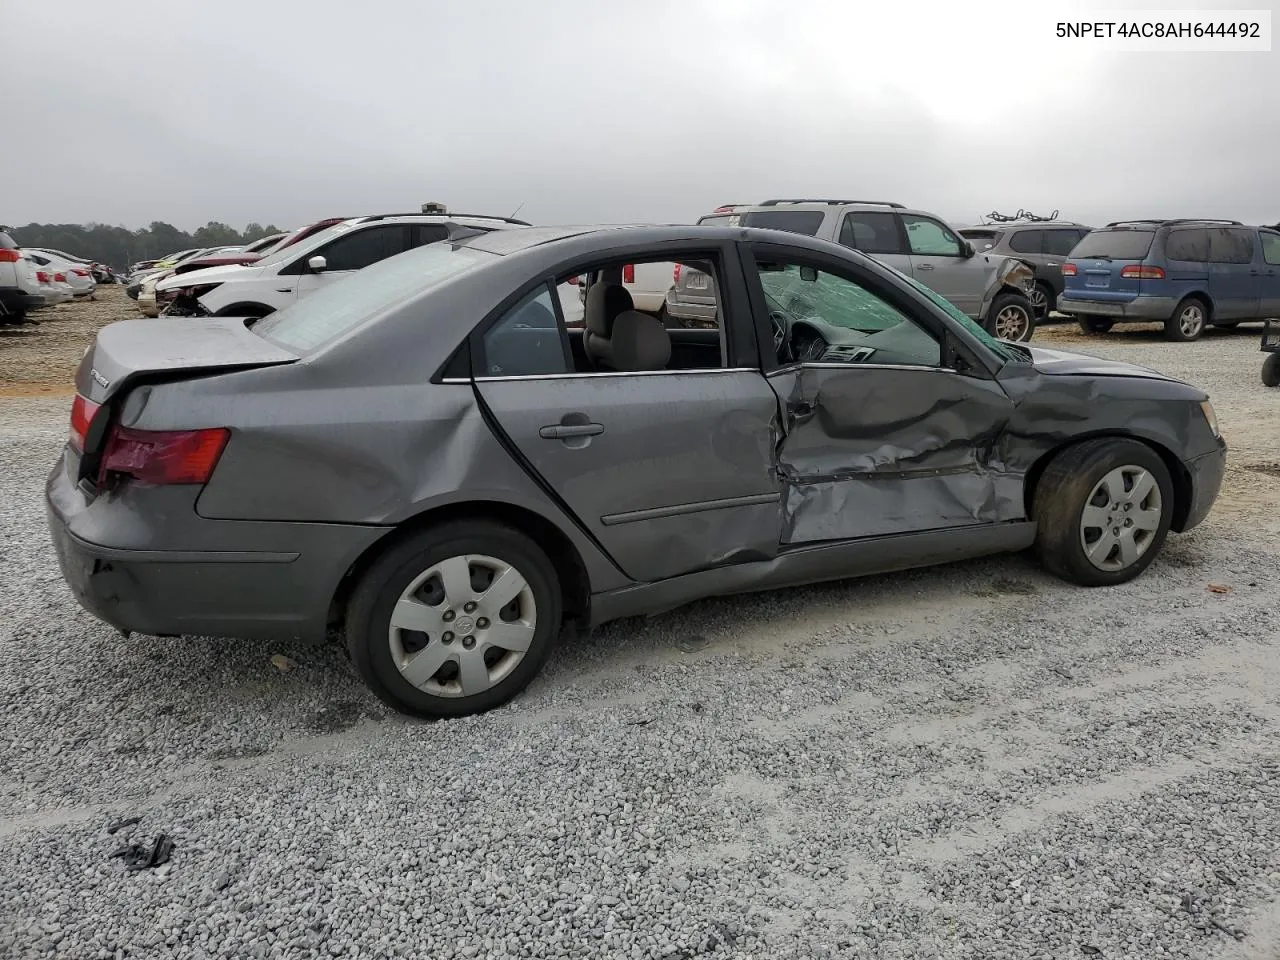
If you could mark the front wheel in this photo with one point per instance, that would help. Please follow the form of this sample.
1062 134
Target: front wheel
1092 324
1271 371
455 620
1102 510
1012 317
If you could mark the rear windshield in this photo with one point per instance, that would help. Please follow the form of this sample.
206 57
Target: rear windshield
1114 245
793 221
981 239
343 305
6 242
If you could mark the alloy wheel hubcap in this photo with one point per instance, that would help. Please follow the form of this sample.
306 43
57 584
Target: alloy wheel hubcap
462 626
1191 321
1038 300
1011 323
1121 518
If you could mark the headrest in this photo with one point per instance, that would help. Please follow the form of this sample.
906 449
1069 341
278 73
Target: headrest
640 342
604 302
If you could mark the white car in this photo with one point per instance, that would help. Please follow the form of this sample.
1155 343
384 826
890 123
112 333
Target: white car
19 291
280 278
78 276
53 290
147 291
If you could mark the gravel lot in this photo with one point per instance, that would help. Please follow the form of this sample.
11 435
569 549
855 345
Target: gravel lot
974 761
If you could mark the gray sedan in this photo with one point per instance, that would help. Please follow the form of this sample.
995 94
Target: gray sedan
426 456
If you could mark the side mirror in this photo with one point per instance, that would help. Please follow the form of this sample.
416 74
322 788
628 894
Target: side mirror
809 274
318 264
968 249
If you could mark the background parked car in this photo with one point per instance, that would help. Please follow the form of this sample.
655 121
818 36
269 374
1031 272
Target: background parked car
1186 274
296 270
994 290
18 291
1042 243
75 273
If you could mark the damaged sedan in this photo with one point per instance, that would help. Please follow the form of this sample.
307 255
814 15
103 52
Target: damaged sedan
427 457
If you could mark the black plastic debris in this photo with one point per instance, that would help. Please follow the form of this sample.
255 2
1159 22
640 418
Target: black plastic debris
1090 949
122 823
138 856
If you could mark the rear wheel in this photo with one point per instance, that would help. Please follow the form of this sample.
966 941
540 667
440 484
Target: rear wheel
1271 371
1188 321
454 620
1012 317
1095 324
1042 300
1102 509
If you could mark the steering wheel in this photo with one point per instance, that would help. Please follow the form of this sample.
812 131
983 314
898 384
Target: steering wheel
781 324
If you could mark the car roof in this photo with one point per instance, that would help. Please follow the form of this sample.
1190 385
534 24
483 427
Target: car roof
824 205
1027 225
506 242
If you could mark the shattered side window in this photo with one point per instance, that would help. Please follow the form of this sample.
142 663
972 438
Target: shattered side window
1003 350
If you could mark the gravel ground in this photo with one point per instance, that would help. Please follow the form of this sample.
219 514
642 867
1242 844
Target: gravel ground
974 761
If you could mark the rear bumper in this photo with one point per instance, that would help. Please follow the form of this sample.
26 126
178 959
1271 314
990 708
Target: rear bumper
1206 480
1139 308
679 309
135 568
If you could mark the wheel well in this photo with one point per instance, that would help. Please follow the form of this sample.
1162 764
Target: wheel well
1203 298
575 585
244 309
1182 490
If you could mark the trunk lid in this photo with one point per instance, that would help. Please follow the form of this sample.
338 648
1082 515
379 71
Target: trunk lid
129 350
1099 261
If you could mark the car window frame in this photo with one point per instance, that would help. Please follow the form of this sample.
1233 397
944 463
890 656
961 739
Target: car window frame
904 243
952 339
741 351
1232 230
1262 242
1203 231
1038 231
299 266
479 358
906 232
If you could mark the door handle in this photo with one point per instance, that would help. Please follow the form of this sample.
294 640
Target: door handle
925 266
1052 263
567 431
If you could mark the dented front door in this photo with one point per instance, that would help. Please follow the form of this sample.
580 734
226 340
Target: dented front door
874 451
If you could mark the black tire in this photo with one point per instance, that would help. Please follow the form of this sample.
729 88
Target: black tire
1063 492
1090 323
1271 371
1188 322
1002 307
1045 293
368 620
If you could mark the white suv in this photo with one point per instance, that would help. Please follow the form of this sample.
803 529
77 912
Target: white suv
280 278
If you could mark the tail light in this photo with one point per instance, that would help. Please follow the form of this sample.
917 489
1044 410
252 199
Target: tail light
42 277
60 277
80 273
725 208
1068 269
162 456
10 256
82 414
1138 272
675 273
629 273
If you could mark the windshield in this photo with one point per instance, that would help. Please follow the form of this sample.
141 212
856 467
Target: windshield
1114 245
316 239
1000 349
343 305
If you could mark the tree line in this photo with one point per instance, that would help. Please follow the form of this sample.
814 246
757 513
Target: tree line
120 246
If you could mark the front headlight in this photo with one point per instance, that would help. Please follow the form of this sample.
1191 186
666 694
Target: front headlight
1207 409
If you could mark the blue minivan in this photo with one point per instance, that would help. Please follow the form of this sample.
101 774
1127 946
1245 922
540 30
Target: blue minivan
1186 274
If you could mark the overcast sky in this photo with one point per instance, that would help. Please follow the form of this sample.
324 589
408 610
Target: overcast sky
615 110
